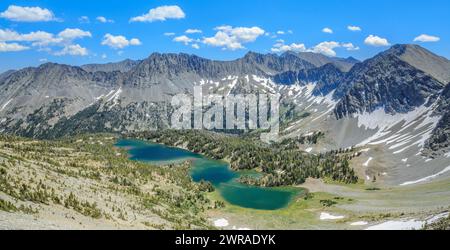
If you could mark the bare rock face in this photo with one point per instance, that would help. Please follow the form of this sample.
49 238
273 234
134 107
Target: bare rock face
326 78
123 66
385 81
439 142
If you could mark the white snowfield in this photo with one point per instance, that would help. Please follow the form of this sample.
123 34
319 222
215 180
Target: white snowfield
428 178
359 223
327 216
421 121
221 223
410 224
366 164
6 104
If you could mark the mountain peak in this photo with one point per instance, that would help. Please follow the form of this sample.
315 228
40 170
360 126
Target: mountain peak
422 59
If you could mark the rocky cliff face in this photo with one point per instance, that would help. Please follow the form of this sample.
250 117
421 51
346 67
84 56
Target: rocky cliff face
326 78
439 142
385 81
123 66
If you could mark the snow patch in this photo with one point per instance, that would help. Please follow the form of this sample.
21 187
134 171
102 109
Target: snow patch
359 223
366 164
115 97
398 225
6 104
308 150
327 216
422 117
411 224
426 178
221 223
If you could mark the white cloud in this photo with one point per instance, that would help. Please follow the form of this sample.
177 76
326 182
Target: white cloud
426 38
376 41
354 28
44 39
71 34
326 48
350 46
169 34
135 42
280 47
73 50
161 13
195 46
11 47
193 31
280 32
104 56
27 14
103 19
119 42
84 19
183 39
38 38
232 38
327 30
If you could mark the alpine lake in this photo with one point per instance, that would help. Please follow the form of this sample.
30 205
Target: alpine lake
218 173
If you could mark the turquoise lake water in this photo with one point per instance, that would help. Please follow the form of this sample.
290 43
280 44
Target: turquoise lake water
216 172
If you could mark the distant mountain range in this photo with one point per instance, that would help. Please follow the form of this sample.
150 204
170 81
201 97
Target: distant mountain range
53 100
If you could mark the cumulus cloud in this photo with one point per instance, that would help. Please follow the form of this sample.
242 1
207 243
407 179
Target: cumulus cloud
169 34
103 19
349 46
281 32
183 39
11 47
119 42
161 13
354 28
233 38
424 38
27 14
325 48
71 34
280 47
376 41
193 31
45 41
73 50
195 46
42 38
327 30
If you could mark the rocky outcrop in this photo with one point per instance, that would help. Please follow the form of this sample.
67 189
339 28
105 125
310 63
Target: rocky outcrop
385 81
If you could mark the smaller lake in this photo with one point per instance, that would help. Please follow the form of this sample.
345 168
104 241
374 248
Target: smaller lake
216 172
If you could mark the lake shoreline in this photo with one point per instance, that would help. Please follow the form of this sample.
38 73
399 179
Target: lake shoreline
219 173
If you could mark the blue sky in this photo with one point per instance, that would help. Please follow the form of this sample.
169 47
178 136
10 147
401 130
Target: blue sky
36 31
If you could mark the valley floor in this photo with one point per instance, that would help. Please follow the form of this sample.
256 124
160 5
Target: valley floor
87 183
